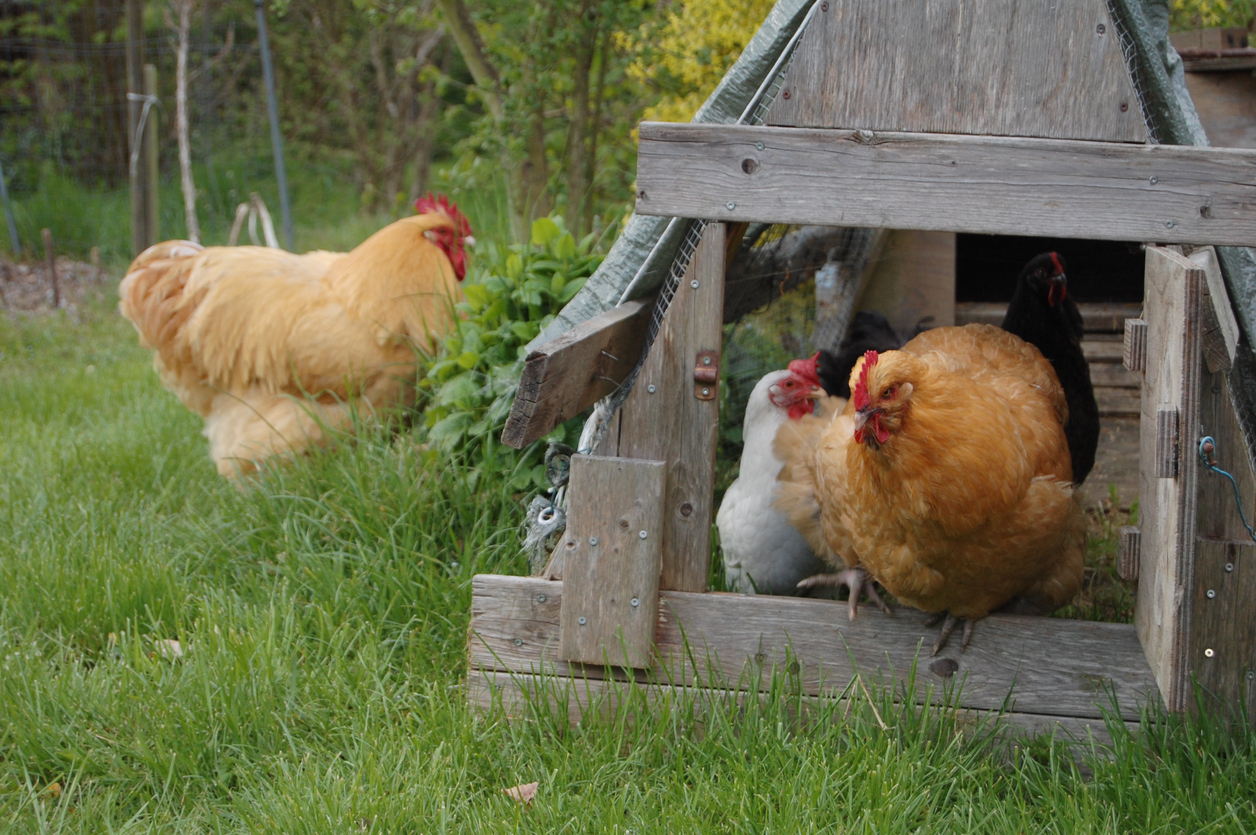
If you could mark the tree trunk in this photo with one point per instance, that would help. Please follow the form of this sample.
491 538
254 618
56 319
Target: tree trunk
595 129
181 122
577 148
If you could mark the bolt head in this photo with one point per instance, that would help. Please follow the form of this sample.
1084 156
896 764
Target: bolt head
518 642
1251 675
1208 653
1153 179
635 602
540 598
1229 566
730 205
650 388
705 392
694 284
1168 224
758 146
582 620
1211 593
642 534
706 360
593 540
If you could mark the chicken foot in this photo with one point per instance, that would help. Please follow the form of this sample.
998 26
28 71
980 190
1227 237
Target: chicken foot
949 622
855 579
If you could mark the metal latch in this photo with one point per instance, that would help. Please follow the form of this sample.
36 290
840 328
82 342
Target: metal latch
706 374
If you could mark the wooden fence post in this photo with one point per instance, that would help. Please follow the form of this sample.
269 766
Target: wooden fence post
151 177
52 269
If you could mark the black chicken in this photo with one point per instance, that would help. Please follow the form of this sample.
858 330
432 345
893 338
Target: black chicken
1042 314
869 331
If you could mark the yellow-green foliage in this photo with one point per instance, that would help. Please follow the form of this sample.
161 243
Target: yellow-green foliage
1185 15
687 53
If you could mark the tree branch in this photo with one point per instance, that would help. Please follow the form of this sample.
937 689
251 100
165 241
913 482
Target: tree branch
467 37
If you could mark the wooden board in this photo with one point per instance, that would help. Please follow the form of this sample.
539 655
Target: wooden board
1097 318
1224 563
568 374
1163 610
1047 665
1220 329
516 694
612 548
997 67
912 279
663 418
990 185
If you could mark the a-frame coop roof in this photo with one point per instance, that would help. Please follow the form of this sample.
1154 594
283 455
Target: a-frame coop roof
991 116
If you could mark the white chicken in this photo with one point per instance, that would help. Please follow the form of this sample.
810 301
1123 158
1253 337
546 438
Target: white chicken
763 552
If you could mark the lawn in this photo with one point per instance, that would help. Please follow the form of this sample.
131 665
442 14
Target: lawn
180 655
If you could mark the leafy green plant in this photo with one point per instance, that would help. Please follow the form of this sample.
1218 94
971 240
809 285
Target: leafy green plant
469 385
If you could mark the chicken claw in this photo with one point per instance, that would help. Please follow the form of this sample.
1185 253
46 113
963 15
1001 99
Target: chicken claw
855 579
949 622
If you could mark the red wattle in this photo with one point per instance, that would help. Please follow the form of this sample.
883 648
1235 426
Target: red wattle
802 407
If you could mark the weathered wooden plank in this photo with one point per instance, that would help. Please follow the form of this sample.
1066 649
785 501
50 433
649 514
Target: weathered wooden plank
1048 665
1097 317
572 372
612 558
945 182
1222 651
998 67
1111 374
1127 552
1220 329
1134 355
1117 400
1224 622
518 693
665 419
1163 610
1097 352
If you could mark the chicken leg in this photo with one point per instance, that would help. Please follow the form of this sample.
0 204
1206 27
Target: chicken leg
855 579
949 622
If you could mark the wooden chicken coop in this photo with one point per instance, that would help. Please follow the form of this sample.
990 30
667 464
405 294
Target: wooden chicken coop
1015 117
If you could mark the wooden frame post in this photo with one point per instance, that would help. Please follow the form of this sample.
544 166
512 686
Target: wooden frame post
672 415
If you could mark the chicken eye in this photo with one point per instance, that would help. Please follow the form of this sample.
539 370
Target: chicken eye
888 393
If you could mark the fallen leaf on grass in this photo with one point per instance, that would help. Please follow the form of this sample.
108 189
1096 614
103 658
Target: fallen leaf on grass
170 648
522 794
55 790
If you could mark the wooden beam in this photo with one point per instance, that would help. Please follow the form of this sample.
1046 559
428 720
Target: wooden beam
1169 431
613 550
570 373
668 418
1220 329
1031 665
517 693
989 185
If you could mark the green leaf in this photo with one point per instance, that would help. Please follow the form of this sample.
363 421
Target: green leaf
477 294
514 267
526 331
468 359
565 248
460 388
545 231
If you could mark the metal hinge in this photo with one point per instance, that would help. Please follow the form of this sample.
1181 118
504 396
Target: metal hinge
706 374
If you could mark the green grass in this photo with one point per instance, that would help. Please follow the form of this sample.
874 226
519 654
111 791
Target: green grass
322 615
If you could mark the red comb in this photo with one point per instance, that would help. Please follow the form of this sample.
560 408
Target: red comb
1055 259
806 369
860 394
440 203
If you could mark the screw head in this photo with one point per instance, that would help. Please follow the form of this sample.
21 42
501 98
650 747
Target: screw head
593 540
758 146
582 620
706 360
1229 566
1168 224
642 534
635 602
651 389
730 205
1251 675
1153 179
540 598
1210 594
694 284
1208 653
705 392
518 642
1101 28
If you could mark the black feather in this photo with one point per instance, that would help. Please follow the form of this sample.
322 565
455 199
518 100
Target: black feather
1056 330
870 331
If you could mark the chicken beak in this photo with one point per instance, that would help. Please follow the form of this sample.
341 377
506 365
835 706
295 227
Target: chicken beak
1059 289
863 416
816 393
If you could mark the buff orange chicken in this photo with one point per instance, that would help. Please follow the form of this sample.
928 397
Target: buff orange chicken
947 479
275 350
